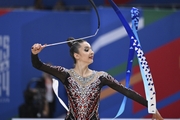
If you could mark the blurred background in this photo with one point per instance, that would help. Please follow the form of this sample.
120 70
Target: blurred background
24 89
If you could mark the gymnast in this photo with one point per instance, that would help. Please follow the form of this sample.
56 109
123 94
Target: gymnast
83 85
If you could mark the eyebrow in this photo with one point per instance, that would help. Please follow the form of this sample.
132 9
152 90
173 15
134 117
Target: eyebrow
87 47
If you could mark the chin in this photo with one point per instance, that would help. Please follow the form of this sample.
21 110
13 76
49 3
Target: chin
91 62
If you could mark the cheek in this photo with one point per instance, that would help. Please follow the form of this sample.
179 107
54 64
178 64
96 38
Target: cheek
85 56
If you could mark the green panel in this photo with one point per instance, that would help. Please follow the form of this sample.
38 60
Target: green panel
152 15
119 69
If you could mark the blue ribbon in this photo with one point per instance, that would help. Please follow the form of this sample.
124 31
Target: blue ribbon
135 21
147 85
145 71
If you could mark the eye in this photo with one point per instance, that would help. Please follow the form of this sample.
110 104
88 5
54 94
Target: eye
86 49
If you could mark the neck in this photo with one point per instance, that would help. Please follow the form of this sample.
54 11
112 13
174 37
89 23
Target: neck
82 70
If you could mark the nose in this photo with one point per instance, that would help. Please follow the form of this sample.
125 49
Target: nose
92 52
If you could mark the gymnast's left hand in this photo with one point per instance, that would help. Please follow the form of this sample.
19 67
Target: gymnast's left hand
157 116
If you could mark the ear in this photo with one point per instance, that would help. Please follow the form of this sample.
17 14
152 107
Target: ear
76 56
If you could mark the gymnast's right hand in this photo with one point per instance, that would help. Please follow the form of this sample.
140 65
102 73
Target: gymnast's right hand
36 48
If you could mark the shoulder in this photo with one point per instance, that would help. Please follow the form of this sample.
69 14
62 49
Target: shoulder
101 73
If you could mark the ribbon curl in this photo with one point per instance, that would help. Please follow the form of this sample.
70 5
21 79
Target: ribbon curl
145 70
86 37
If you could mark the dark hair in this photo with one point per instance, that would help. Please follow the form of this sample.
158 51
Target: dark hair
74 46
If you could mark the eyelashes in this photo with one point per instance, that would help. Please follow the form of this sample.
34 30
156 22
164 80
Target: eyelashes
86 49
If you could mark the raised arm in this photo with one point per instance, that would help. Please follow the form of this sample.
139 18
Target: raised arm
56 71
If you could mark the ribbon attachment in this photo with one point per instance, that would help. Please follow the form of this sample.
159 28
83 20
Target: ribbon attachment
134 44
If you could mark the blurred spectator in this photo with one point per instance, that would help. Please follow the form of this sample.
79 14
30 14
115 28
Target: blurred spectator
38 4
28 110
35 104
39 99
50 95
59 6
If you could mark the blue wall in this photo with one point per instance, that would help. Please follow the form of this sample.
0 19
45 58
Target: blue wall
49 3
21 29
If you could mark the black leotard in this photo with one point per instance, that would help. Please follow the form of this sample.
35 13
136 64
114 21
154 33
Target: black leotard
84 93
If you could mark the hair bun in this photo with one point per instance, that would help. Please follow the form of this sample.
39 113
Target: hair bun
69 41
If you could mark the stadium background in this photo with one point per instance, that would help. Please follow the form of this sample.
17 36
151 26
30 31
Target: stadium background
159 36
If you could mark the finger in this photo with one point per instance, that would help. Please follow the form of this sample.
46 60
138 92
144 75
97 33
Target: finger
154 117
39 46
35 46
44 46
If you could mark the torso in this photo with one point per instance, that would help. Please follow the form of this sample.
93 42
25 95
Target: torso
84 94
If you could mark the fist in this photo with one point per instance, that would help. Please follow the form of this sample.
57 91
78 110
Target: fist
36 48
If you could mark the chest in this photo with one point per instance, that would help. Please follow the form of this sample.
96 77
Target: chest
83 89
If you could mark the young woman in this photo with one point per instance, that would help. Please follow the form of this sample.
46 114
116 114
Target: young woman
83 85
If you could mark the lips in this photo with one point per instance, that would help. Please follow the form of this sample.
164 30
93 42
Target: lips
91 57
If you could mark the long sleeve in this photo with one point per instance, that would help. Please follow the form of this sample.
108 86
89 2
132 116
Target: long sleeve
114 84
56 71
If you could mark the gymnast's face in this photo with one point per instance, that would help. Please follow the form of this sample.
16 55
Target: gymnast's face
85 54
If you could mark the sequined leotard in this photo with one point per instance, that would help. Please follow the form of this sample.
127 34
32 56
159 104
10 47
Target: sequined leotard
84 93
